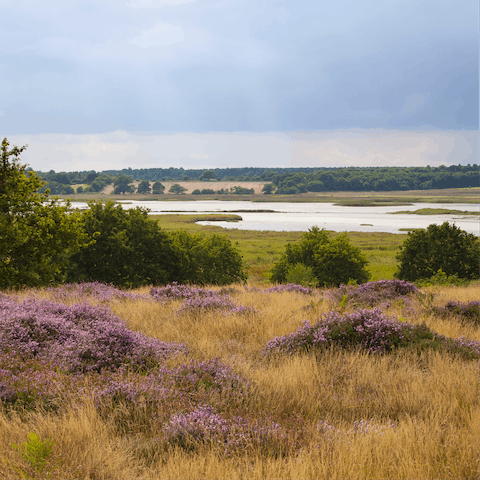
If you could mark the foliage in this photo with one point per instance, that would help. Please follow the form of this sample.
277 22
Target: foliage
127 249
35 455
441 278
444 247
332 261
176 188
207 175
158 188
144 187
37 234
301 274
268 188
122 184
203 259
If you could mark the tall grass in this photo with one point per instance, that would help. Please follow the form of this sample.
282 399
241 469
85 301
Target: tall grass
332 413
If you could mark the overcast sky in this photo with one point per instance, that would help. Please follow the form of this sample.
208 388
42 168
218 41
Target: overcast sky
220 83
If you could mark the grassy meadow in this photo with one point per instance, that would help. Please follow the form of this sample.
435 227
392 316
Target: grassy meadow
261 249
224 401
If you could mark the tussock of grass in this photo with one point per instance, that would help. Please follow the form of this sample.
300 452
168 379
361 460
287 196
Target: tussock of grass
341 412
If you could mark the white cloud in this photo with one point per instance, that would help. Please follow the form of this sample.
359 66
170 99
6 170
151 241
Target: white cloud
334 148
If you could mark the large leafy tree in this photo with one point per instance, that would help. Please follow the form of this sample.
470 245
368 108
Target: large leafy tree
122 185
443 247
177 188
332 261
127 249
144 187
37 234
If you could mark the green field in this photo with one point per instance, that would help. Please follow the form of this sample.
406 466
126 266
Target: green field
260 249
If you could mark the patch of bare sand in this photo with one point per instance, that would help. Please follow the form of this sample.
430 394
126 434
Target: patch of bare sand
191 186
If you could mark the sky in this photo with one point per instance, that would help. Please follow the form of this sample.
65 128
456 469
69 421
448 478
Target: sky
111 84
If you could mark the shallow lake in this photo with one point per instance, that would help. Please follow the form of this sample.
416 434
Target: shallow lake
302 216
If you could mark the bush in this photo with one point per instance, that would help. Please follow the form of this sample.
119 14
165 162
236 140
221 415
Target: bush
127 249
332 262
207 259
440 247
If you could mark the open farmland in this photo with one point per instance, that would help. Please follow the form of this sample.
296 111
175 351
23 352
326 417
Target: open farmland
187 383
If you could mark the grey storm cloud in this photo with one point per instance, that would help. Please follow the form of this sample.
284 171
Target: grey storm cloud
220 67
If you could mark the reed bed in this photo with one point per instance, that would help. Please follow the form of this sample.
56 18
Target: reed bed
223 400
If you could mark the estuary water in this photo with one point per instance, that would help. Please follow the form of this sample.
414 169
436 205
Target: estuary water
302 216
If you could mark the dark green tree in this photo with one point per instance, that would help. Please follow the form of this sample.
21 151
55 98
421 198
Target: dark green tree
176 188
123 185
208 175
332 261
37 234
144 187
128 248
440 247
268 188
158 188
203 259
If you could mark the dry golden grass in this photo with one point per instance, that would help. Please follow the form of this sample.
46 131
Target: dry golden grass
433 399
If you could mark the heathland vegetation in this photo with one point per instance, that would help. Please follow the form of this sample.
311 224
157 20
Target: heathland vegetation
376 381
332 376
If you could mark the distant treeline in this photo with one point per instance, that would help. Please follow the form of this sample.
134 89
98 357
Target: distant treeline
284 180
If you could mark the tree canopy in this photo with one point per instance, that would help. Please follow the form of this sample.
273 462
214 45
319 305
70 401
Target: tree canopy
127 249
332 261
37 234
443 247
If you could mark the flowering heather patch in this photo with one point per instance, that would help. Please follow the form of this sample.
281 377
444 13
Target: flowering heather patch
80 337
212 301
197 299
176 291
96 290
467 311
369 329
290 287
33 382
203 426
371 294
209 375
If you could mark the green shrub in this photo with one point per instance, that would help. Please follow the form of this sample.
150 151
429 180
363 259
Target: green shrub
332 261
440 247
127 249
203 259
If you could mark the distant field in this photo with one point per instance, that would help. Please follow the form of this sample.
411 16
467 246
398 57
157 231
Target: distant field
450 195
